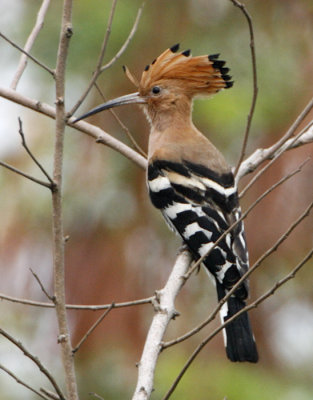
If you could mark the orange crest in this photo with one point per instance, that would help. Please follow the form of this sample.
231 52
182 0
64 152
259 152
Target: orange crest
202 75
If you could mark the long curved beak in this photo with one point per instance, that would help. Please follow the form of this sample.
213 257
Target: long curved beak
133 98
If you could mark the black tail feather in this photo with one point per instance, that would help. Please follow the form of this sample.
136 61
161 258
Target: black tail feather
240 343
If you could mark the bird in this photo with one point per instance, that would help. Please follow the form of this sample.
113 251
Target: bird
191 183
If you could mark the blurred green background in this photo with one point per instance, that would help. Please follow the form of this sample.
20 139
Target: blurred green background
119 247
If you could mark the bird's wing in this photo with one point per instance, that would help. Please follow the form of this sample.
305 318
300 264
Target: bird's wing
200 205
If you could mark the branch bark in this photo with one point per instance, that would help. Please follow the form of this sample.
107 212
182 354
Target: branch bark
30 41
165 312
57 221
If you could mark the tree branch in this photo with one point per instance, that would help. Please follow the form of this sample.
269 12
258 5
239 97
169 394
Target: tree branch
95 132
36 360
92 328
99 69
274 151
29 43
77 306
27 54
254 80
165 312
31 178
57 217
18 380
24 144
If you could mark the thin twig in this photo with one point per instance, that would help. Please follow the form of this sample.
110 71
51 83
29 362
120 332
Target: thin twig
262 298
35 359
49 394
77 306
97 71
99 68
30 41
278 153
127 41
31 178
96 395
274 151
255 81
18 380
42 286
122 125
24 144
28 55
213 314
92 328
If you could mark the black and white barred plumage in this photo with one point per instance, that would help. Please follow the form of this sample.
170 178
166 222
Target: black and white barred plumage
200 204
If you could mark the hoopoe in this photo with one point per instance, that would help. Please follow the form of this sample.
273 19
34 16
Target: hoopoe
190 182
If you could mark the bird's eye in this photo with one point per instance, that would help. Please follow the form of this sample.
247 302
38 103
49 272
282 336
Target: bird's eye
156 89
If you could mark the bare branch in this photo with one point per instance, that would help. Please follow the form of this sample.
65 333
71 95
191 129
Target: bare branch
165 311
77 306
18 380
19 172
31 154
273 152
36 360
57 209
42 286
97 71
27 54
254 78
269 293
100 69
49 394
29 43
95 132
92 328
122 125
127 41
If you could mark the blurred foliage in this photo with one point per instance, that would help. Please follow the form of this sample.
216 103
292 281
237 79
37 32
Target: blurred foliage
119 248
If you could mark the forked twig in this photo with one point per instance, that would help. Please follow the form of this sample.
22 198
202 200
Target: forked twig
97 72
127 41
36 360
21 382
99 69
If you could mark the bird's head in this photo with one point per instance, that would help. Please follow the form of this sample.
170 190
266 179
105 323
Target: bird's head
172 80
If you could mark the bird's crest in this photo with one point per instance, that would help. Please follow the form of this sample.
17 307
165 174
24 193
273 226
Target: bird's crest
202 75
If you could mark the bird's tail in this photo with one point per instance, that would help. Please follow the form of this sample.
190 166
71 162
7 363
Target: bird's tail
239 341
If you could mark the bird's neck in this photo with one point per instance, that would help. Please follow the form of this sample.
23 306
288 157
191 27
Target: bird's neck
167 115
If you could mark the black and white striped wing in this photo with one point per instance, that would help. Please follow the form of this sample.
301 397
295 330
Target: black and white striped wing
200 205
